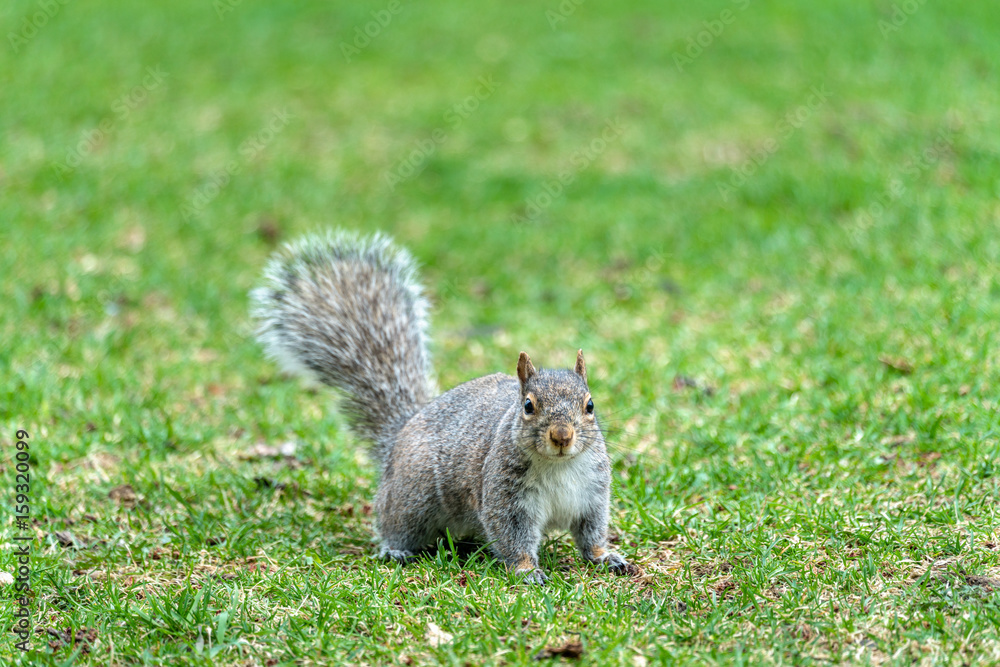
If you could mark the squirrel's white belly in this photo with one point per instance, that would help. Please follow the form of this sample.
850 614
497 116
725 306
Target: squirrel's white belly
563 492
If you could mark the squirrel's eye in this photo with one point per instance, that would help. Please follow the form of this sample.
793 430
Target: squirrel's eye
529 407
590 406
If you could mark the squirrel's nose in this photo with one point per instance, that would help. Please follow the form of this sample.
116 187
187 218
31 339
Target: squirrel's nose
561 435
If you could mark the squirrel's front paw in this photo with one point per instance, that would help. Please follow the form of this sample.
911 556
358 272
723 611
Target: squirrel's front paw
535 576
616 564
610 559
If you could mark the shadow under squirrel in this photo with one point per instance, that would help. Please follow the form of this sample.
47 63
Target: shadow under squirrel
497 458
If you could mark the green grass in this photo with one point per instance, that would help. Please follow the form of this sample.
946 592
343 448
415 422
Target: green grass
832 498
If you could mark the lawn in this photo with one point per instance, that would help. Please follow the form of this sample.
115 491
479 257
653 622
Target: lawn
773 227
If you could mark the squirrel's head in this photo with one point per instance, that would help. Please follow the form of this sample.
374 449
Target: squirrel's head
557 412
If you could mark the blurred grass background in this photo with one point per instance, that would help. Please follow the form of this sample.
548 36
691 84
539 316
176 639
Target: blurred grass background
789 311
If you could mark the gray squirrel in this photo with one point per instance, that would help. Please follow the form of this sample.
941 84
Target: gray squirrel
498 458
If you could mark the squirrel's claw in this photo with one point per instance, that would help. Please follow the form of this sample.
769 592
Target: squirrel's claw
615 563
620 568
397 555
535 576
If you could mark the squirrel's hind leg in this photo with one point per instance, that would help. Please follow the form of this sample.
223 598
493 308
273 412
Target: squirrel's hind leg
400 546
402 543
404 533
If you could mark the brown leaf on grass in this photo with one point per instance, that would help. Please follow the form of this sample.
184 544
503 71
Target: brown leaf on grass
162 552
291 488
81 638
725 589
69 540
682 382
268 230
464 577
572 650
896 440
125 495
927 458
897 364
989 583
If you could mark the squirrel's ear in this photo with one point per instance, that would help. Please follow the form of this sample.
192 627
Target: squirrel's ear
524 369
581 365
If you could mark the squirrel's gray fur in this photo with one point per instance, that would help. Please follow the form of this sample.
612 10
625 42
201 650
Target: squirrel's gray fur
473 461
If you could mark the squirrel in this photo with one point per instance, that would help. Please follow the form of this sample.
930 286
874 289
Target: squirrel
499 458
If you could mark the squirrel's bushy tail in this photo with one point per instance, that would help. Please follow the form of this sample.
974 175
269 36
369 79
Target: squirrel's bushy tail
348 311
